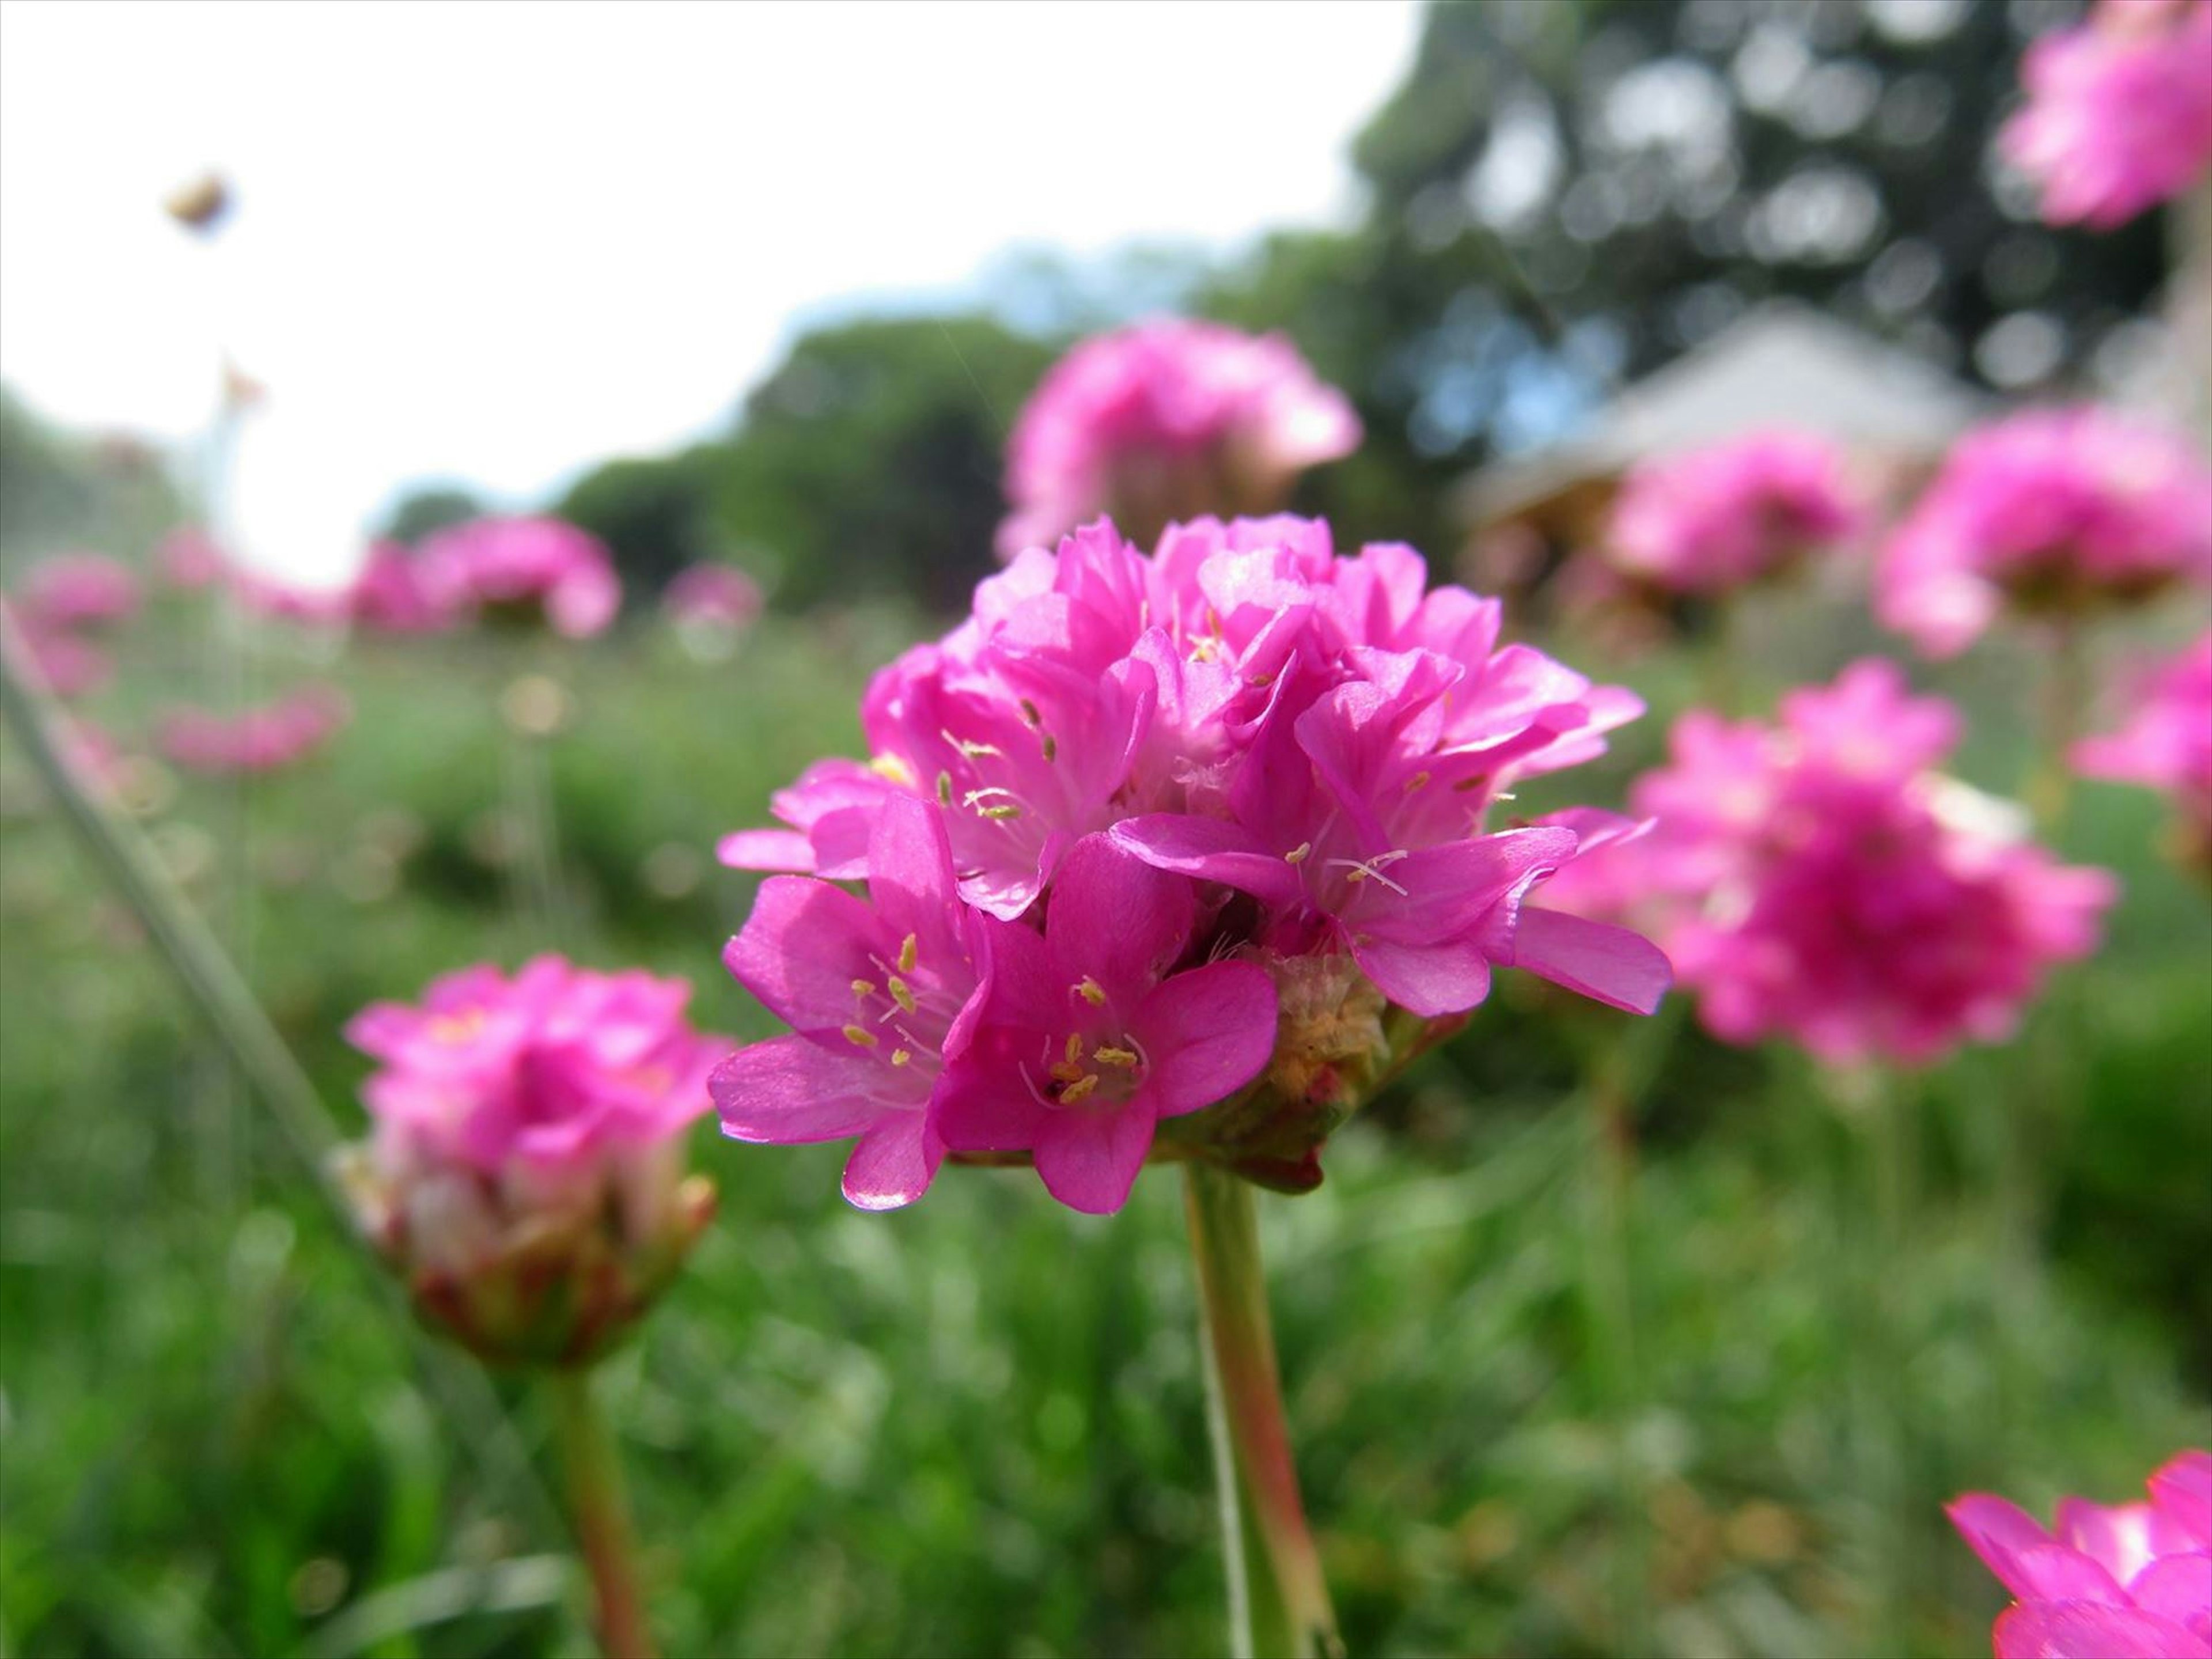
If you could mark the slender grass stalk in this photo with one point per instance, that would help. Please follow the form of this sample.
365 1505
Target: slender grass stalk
2061 699
1610 1173
1279 1603
602 1516
220 997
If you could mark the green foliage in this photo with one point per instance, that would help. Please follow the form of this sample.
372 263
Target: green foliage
432 507
58 492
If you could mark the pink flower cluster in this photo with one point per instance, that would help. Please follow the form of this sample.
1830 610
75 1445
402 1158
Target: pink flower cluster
2053 511
1818 878
1113 812
64 604
1718 518
266 738
505 564
712 596
1164 419
390 595
2129 1579
2118 115
525 1161
2165 744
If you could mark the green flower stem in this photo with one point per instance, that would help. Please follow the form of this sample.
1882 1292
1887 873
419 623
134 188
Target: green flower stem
220 996
602 1516
1278 1604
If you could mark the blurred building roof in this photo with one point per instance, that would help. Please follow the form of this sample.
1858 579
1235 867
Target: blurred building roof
1782 365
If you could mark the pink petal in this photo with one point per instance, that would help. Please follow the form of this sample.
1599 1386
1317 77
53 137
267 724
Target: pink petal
983 1106
1116 918
2176 1587
2000 1532
791 1090
1208 1033
1210 849
800 950
2181 1491
766 849
1610 965
2075 1629
1445 978
894 1162
1089 1159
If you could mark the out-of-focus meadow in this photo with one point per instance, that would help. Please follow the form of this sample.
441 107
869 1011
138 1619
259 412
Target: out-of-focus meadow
976 1426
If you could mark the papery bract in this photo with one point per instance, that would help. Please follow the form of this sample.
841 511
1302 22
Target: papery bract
2130 1581
2118 115
1164 419
2049 512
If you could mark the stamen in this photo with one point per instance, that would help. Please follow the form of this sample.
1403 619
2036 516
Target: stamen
901 993
1419 780
1091 992
900 1057
1300 853
859 1036
1077 1089
1065 1072
1051 748
1367 870
1107 1055
945 788
909 954
1074 1050
1029 715
998 814
864 988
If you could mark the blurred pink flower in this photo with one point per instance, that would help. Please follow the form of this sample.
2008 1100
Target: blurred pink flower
391 595
267 595
261 739
1721 517
712 595
2130 1581
189 557
2049 512
1816 878
525 1168
2165 744
76 590
2118 115
58 659
1165 420
511 564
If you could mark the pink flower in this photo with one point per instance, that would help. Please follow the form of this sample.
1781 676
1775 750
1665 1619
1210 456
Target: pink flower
260 739
2053 511
267 595
391 595
2165 744
189 557
540 564
1088 1039
1242 752
1724 517
58 659
2118 115
1815 879
524 1170
882 998
76 590
1166 420
713 596
2133 1581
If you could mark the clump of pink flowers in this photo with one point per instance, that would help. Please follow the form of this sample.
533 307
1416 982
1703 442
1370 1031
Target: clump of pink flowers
1722 517
1818 878
2051 513
1167 855
264 738
2118 115
79 590
2165 744
391 595
718 596
525 1170
541 567
1165 420
2127 1579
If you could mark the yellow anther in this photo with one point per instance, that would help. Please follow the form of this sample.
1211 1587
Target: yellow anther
909 954
1357 872
976 750
1029 713
1065 1072
901 1057
1419 780
1300 853
1466 784
998 814
1073 1052
1051 748
901 993
859 1036
1106 1054
864 988
1077 1089
945 788
1091 992
891 767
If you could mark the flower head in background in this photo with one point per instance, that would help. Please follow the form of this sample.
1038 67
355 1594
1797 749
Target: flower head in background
1166 420
79 590
713 595
2128 1579
266 738
2049 512
188 557
2165 744
525 1173
1185 846
2118 115
1816 878
1716 520
542 567
391 595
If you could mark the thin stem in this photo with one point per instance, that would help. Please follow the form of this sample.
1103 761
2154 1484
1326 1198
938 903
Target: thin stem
1610 1300
602 1516
2064 690
1279 1603
217 993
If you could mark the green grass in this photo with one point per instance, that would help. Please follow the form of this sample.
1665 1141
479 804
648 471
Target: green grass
976 1427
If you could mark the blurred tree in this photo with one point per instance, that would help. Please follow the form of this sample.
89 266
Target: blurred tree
431 507
655 515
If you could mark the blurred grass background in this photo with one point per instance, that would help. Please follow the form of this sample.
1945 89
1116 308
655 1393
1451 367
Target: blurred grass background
975 1427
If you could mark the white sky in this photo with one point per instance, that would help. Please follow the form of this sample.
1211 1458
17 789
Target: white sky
498 242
